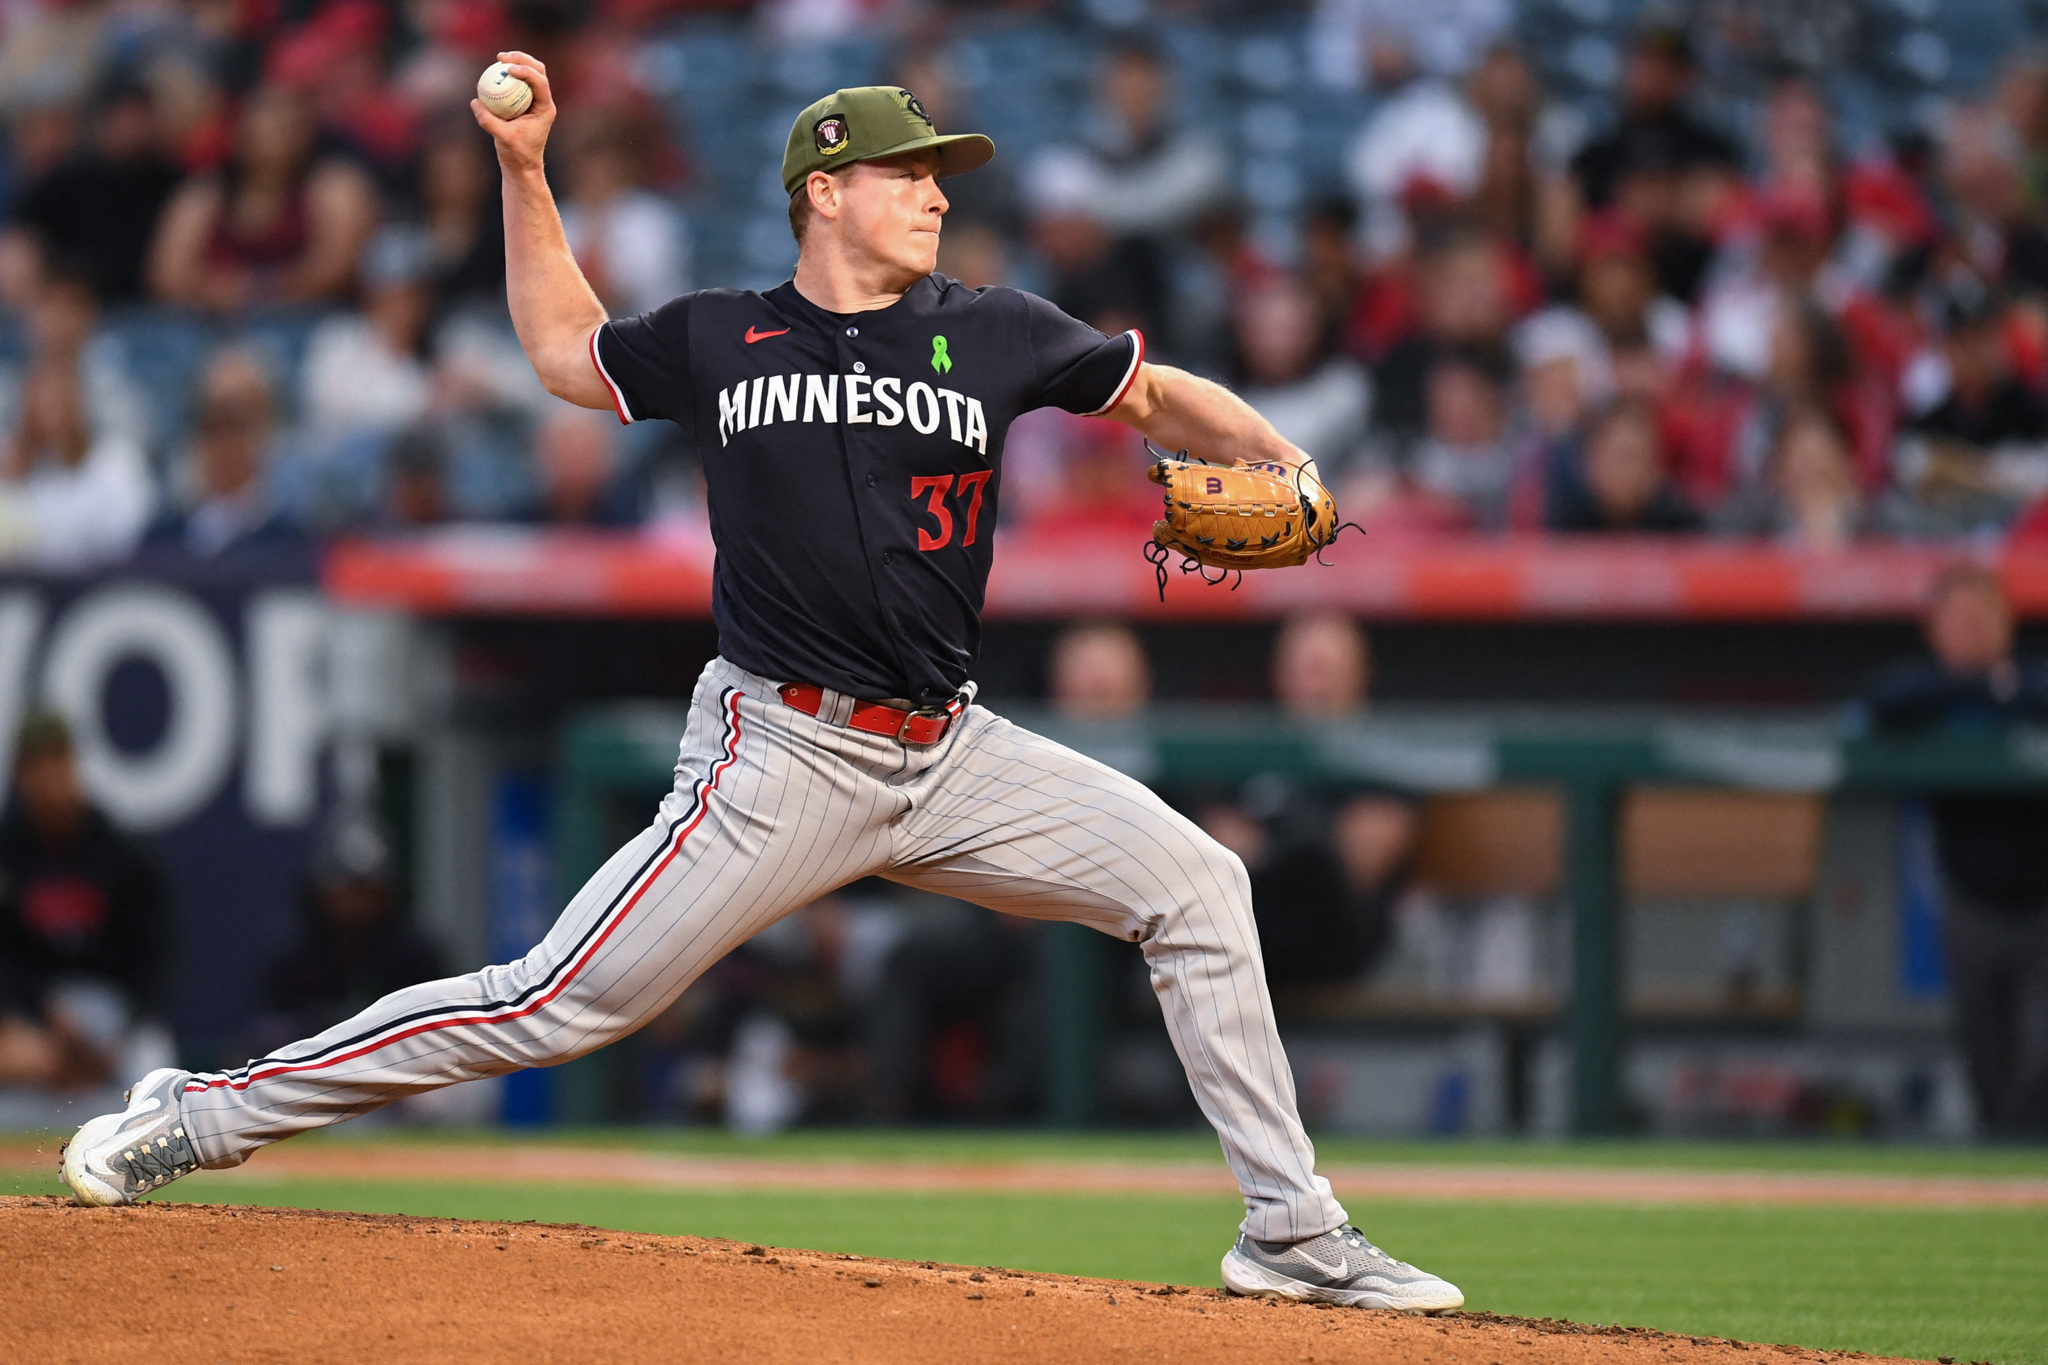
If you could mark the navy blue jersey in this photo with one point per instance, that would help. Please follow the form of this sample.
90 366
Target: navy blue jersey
854 462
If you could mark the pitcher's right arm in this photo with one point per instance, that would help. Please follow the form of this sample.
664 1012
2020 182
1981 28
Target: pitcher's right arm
554 309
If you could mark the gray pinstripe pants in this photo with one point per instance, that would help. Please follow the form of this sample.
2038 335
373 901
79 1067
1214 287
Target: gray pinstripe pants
771 809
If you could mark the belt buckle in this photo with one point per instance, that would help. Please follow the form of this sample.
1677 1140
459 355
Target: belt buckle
944 713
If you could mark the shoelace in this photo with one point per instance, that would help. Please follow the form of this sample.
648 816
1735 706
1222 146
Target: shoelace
151 1164
1358 1241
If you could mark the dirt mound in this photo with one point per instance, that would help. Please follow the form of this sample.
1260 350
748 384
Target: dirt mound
209 1283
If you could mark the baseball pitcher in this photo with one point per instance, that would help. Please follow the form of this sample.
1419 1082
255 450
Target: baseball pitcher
850 423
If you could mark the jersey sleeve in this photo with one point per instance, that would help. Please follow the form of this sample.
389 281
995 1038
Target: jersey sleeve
1074 366
645 363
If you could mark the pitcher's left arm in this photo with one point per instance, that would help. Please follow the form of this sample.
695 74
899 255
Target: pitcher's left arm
1181 411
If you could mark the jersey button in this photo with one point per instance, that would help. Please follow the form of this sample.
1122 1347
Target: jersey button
871 481
885 557
853 331
860 367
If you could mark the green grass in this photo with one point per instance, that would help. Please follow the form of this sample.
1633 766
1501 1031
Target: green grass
1917 1282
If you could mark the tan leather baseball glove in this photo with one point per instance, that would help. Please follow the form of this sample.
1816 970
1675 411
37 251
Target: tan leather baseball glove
1242 515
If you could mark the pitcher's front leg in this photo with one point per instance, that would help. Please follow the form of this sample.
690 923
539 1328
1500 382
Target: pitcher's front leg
1018 823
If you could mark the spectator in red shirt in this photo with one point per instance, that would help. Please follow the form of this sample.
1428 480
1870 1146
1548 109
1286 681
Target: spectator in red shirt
1721 429
1618 287
276 225
1467 304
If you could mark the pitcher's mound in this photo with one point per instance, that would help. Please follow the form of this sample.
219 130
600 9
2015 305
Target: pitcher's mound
167 1283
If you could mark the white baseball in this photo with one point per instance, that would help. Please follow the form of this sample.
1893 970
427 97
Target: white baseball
503 93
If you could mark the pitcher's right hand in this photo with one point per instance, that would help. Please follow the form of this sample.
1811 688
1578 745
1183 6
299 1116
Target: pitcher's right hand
522 141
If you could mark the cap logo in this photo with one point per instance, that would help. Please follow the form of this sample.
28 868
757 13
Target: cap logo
831 135
916 108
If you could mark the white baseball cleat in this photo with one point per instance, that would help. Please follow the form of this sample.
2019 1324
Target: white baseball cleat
118 1158
1338 1267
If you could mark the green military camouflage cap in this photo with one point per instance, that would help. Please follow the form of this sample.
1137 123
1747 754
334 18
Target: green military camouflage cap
869 121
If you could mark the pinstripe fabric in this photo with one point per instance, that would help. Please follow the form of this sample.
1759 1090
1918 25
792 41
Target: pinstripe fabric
770 810
1020 824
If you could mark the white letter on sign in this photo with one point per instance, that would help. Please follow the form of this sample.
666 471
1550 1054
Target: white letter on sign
21 620
176 778
286 634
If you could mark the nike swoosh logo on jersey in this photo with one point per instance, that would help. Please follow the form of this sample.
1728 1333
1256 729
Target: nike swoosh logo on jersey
754 336
1335 1272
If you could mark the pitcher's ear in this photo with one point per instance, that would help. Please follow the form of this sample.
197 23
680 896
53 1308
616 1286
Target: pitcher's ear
823 188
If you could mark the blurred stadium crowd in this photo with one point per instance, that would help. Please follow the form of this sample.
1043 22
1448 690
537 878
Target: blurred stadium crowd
1757 270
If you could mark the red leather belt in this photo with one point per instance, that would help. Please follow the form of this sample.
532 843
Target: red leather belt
923 726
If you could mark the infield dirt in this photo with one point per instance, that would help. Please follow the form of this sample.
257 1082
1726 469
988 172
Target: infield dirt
169 1283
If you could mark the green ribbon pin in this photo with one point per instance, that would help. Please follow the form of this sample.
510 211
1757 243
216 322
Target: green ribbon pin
940 360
